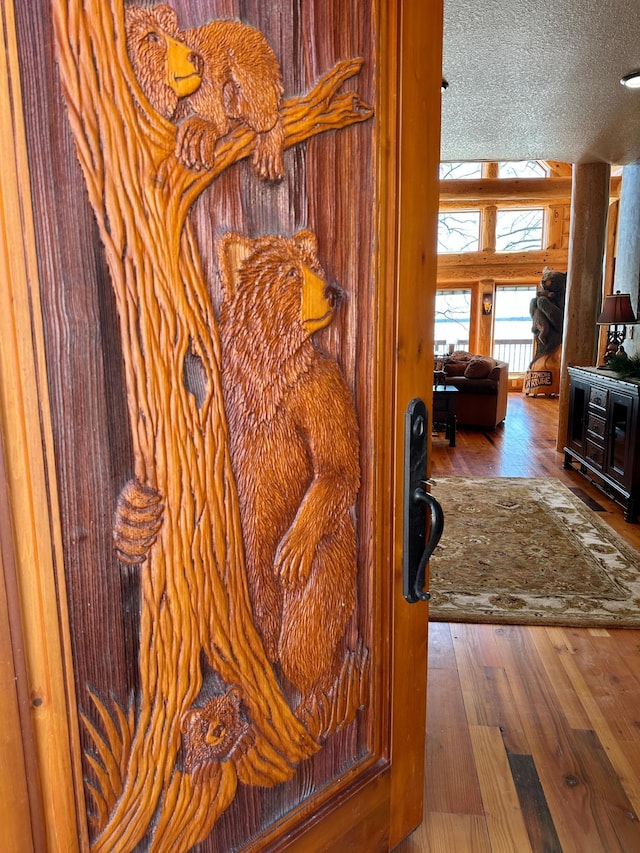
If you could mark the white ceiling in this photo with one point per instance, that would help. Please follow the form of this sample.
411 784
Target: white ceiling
535 79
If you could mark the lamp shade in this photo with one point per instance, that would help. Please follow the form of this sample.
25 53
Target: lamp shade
617 311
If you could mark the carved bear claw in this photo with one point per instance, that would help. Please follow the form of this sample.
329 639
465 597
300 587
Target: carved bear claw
294 556
195 144
137 520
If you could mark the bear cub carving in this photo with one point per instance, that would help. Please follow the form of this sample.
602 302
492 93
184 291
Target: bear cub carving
207 79
294 449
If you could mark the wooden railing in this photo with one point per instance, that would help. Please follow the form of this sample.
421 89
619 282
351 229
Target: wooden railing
518 353
442 347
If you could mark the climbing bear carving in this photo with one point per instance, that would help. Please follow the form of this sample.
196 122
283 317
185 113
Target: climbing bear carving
207 79
294 449
547 312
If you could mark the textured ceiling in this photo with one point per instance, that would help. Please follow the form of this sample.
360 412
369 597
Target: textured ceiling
534 79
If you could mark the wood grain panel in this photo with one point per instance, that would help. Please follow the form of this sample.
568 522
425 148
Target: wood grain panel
601 726
476 687
449 832
505 823
535 811
611 680
551 646
21 823
452 783
614 815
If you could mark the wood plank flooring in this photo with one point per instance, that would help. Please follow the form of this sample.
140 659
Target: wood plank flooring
533 733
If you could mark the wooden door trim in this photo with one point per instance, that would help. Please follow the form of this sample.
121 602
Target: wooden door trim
25 424
413 267
21 819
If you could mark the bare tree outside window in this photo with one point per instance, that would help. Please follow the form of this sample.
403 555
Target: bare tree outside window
519 230
523 169
454 171
459 231
452 319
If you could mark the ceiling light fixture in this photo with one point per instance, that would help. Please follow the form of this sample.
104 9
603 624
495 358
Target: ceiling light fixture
632 80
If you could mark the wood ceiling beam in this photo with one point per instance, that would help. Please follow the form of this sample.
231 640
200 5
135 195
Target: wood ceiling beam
502 266
527 191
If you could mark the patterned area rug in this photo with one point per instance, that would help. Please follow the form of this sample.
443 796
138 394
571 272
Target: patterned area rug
528 551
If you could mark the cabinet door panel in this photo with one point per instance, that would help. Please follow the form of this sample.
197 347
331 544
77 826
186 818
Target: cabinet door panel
620 438
579 396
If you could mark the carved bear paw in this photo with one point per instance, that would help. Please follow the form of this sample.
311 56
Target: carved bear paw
267 155
295 555
195 144
137 520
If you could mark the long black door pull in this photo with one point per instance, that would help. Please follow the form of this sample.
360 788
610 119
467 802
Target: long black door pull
417 501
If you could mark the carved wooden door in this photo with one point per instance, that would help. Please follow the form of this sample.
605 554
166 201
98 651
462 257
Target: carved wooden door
223 215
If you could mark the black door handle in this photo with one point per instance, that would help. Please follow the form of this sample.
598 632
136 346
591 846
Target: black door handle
416 552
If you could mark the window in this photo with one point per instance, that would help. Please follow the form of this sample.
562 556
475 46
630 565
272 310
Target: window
459 231
519 230
523 169
452 171
453 314
512 335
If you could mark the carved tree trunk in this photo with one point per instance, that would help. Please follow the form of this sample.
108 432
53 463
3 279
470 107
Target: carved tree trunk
194 595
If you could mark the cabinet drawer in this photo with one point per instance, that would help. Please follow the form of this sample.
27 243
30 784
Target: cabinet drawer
596 425
594 453
598 397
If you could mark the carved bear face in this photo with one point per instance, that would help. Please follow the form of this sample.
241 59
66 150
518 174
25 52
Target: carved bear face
553 284
274 287
212 732
166 68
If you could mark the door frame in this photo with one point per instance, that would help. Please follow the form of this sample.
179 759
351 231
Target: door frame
36 545
408 128
410 260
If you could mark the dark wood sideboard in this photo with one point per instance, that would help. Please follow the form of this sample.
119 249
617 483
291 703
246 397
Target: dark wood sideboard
602 435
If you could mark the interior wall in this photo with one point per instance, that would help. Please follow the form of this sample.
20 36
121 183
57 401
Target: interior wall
627 274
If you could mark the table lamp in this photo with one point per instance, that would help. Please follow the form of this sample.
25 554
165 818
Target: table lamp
617 313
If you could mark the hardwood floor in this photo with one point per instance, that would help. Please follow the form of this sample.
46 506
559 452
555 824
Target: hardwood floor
533 733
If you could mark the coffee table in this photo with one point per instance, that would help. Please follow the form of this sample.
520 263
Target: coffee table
444 410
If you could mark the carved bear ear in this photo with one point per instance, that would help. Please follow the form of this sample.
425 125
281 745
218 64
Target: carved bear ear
233 250
185 722
307 241
234 695
166 17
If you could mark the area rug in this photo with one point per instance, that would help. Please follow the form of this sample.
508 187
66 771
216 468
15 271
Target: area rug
528 551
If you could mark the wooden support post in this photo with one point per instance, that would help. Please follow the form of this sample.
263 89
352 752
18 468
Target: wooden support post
488 230
485 321
589 208
555 223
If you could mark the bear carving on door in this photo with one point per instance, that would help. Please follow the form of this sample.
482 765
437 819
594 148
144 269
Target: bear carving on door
294 449
239 518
